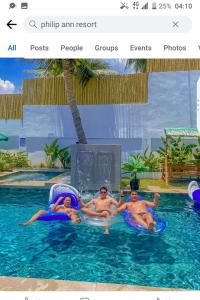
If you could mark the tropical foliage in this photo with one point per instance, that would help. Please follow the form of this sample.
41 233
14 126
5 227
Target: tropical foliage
148 161
134 165
151 160
10 160
177 150
53 154
139 65
64 157
196 153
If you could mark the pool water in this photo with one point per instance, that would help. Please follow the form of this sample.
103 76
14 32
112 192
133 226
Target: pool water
61 250
30 176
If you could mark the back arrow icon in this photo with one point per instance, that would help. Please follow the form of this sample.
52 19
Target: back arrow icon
10 24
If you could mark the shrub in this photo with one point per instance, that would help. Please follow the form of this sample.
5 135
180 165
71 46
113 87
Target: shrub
3 166
20 160
53 153
9 160
64 157
177 150
151 160
134 165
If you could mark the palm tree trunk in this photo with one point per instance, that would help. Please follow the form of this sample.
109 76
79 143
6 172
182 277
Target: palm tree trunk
68 79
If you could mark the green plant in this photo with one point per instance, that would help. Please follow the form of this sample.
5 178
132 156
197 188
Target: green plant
9 160
51 152
151 160
3 165
196 153
181 153
20 160
42 165
64 157
177 150
135 164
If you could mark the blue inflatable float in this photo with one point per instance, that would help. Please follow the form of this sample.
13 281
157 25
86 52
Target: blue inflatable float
55 216
159 223
194 194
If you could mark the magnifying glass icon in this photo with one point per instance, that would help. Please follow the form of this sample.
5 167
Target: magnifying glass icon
32 23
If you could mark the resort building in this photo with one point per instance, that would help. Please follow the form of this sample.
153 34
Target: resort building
131 110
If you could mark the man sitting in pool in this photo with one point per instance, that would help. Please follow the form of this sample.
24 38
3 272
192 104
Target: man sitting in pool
138 209
102 204
65 208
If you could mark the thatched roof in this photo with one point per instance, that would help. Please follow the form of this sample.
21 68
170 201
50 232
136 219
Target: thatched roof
184 132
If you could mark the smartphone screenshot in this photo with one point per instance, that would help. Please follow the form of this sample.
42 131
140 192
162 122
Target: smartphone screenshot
99 150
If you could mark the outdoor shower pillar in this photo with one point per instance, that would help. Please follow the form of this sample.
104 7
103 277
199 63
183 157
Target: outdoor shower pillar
93 166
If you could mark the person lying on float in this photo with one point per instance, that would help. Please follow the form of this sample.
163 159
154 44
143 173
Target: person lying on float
139 210
65 208
100 206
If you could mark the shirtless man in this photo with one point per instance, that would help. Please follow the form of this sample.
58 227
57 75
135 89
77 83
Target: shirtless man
65 208
138 209
102 204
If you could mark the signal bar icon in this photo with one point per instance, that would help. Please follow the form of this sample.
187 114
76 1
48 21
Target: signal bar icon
146 6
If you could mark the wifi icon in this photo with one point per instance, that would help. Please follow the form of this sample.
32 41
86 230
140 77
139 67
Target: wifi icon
146 6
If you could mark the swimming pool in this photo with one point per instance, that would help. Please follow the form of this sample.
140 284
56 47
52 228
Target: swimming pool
57 250
30 176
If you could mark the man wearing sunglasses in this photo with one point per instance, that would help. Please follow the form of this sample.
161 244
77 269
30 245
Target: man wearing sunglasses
100 206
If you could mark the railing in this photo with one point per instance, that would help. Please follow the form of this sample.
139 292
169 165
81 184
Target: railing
182 170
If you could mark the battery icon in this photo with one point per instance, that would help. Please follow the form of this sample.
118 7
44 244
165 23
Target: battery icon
154 5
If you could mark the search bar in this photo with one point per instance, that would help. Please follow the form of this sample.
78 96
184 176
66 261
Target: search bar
108 24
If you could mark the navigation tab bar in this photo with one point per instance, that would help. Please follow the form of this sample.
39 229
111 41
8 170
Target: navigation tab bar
104 48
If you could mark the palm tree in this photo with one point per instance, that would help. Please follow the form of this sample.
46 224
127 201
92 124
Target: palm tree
140 65
83 69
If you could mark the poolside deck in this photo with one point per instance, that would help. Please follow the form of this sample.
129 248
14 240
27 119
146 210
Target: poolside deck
65 178
62 178
31 284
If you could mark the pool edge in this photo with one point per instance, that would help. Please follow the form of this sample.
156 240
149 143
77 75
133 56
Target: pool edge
33 284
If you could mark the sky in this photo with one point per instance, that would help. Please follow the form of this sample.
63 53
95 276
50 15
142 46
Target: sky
12 72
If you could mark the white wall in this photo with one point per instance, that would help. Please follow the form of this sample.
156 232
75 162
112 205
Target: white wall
172 102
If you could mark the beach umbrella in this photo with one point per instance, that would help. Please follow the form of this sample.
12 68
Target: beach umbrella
3 137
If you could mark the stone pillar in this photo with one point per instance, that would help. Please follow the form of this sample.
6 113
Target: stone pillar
93 166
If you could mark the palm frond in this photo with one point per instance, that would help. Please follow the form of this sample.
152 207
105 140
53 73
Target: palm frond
140 65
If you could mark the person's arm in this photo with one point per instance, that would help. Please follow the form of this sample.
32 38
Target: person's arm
75 211
121 201
92 201
55 206
82 204
155 201
119 209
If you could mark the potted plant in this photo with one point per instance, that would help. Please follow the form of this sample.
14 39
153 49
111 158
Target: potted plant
134 165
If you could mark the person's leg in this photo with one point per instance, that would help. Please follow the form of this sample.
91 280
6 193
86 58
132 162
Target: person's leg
106 227
34 217
74 218
139 219
93 213
150 221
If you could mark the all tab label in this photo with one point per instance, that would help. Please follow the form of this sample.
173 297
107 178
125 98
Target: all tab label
12 47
